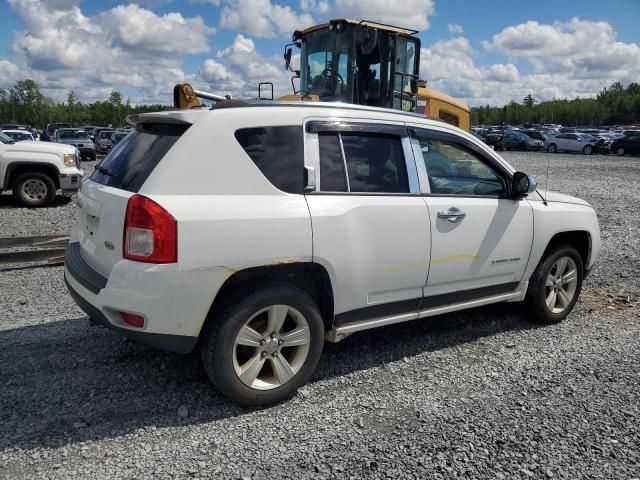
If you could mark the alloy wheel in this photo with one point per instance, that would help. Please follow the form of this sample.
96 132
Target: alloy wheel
271 347
561 285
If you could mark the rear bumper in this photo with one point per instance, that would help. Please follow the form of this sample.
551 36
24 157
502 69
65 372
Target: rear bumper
174 343
173 302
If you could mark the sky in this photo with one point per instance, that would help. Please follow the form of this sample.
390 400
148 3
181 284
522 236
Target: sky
482 52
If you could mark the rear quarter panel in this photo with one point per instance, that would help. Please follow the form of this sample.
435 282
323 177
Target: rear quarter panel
229 215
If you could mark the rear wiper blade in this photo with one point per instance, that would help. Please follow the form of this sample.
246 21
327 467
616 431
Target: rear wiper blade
106 171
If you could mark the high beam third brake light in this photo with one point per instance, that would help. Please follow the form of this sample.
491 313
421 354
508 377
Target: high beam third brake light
150 232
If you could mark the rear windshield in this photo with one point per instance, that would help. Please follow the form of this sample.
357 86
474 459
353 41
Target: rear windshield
133 159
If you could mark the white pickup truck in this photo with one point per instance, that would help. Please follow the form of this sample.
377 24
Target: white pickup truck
35 171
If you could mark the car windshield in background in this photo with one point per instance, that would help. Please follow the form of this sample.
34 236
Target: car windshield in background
19 136
105 134
74 134
5 138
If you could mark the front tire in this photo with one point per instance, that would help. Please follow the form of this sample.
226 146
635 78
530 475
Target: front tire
552 148
555 285
259 347
620 152
587 150
34 189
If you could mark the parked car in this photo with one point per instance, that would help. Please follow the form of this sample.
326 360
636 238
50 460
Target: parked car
19 135
310 221
571 142
52 127
515 140
79 139
103 140
117 137
91 131
35 171
493 138
627 145
14 126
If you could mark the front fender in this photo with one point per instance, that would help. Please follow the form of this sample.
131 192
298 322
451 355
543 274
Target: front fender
554 218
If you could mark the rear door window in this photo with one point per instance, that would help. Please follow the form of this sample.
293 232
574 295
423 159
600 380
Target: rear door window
131 162
375 163
279 154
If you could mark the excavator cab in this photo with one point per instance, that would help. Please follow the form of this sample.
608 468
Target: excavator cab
365 63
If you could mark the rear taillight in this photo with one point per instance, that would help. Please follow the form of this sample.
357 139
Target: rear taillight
150 232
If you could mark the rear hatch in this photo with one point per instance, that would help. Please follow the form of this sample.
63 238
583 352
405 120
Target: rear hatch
103 197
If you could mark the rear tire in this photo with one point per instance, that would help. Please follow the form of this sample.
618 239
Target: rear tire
555 285
552 148
261 345
34 189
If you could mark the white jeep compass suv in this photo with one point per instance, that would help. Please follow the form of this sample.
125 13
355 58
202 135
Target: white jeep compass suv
255 231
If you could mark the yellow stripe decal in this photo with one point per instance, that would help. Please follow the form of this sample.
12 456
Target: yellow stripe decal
409 266
462 256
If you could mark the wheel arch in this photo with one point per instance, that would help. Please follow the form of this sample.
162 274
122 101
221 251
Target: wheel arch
15 169
580 239
311 277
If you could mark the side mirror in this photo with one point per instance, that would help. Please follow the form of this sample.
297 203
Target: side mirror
523 184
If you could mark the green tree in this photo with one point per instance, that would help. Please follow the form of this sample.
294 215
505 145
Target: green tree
529 101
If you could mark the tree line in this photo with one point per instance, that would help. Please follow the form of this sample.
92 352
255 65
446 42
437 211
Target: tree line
24 103
615 105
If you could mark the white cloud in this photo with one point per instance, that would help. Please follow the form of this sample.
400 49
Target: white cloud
402 13
581 49
124 47
10 73
262 18
569 60
455 28
239 68
61 4
315 6
139 28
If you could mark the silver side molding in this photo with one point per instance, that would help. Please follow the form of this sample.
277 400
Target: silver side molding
337 334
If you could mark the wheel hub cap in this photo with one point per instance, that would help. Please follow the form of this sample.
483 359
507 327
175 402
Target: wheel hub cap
271 347
561 285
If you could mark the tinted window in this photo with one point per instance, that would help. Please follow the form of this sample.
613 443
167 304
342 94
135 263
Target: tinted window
454 169
332 177
131 161
279 154
375 163
449 118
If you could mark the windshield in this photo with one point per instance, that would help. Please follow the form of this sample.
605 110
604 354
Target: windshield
324 64
19 136
105 133
5 138
74 134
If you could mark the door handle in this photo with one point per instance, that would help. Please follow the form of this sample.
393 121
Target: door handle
454 214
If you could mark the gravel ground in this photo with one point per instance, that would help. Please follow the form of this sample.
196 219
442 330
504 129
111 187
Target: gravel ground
478 394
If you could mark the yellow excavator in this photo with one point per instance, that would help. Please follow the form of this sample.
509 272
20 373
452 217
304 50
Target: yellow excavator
360 62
